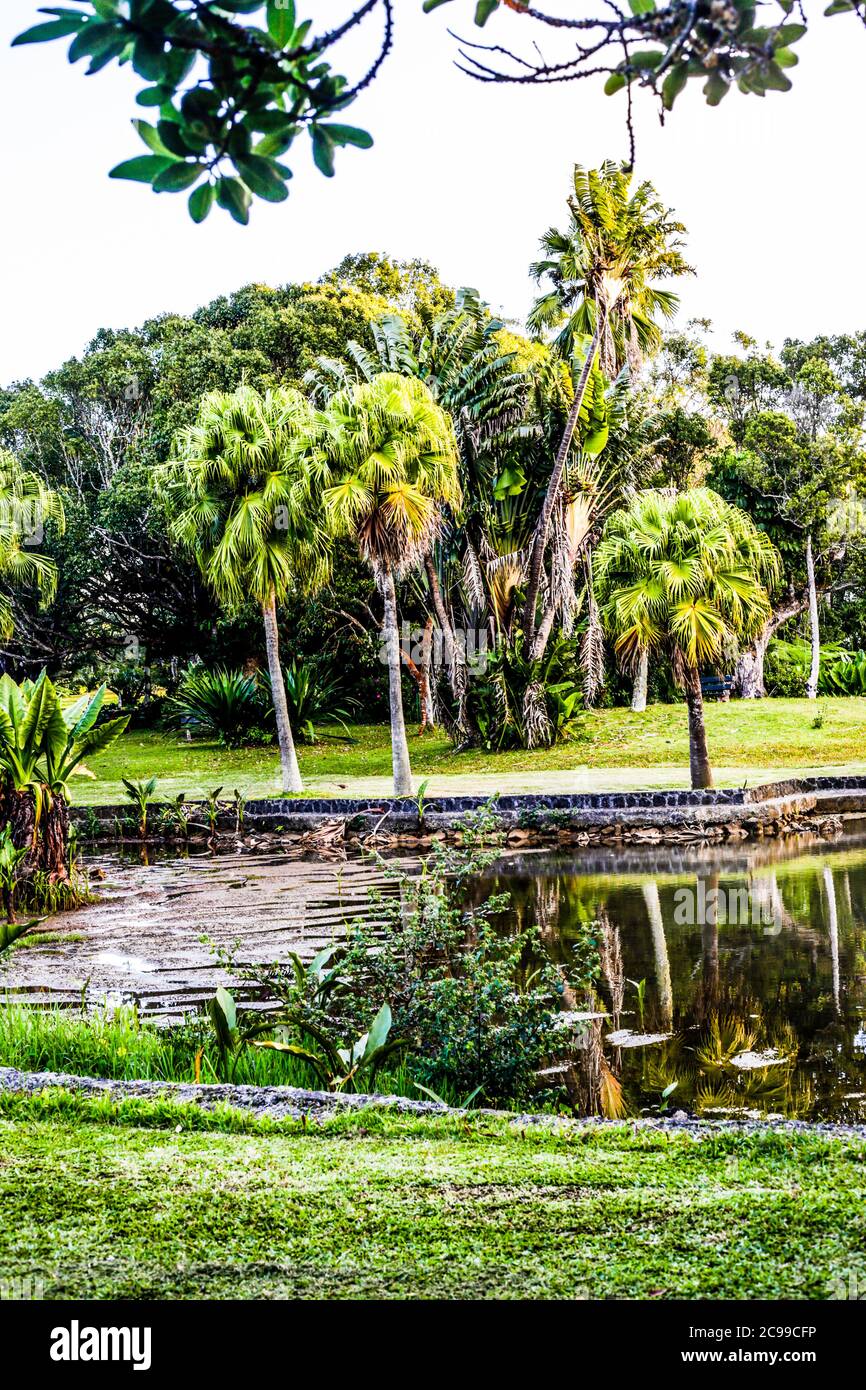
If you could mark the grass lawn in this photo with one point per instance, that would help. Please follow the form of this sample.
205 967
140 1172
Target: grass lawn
749 741
152 1200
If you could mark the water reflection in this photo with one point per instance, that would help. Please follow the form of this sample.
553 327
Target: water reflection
737 978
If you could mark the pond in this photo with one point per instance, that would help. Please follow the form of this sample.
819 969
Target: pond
735 977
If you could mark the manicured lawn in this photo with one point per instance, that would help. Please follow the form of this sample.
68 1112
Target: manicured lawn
749 741
149 1204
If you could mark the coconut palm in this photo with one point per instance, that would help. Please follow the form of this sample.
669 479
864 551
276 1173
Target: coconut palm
684 574
385 460
239 500
602 273
26 503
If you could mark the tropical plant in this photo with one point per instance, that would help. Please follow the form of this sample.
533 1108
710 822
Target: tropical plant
26 504
385 462
140 794
239 500
42 744
525 703
11 858
223 703
315 695
684 574
343 1068
602 272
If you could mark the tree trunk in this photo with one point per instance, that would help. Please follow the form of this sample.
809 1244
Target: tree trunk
399 747
638 698
542 529
749 673
288 757
54 837
699 757
421 676
455 655
812 683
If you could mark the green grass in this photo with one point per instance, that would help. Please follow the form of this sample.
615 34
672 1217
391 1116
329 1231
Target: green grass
748 739
115 1045
150 1200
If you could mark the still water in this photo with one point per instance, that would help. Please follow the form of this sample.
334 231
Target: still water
731 981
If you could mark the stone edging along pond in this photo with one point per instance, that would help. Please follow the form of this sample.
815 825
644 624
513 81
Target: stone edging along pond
777 808
291 1103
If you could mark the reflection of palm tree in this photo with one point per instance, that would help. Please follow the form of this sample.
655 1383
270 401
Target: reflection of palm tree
833 924
650 891
710 947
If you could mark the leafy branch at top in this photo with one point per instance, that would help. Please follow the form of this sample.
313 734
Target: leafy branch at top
659 46
230 97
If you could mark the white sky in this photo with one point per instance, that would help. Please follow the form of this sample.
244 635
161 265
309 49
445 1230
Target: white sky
464 175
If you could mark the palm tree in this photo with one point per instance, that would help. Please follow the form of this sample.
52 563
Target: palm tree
239 499
684 574
26 503
602 273
385 460
462 355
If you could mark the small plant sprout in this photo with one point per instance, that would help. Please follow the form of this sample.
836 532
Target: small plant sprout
240 807
140 794
213 810
640 991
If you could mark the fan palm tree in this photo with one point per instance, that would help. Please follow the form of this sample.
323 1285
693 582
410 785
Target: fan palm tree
602 273
466 363
684 574
239 500
26 503
385 461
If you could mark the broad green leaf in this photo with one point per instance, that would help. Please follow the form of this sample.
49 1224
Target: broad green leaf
144 169
55 29
715 88
151 137
379 1030
201 201
483 10
323 151
673 84
281 21
177 177
641 6
234 196
348 135
646 58
261 178
614 83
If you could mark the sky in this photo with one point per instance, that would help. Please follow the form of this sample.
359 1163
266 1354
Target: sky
464 175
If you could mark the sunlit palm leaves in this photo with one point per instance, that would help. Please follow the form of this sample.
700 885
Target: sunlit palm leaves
26 504
238 495
616 248
384 457
685 573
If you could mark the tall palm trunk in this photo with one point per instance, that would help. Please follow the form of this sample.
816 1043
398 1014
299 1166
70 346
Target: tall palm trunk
536 642
699 757
641 676
399 747
288 757
814 630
